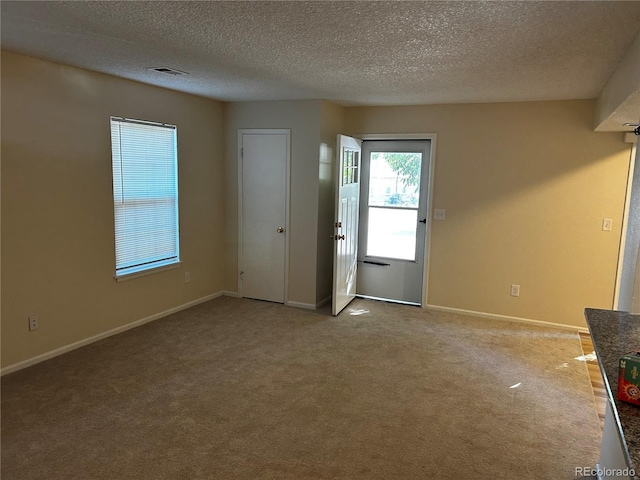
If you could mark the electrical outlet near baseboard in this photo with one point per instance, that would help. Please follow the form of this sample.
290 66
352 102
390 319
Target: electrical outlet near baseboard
515 290
33 322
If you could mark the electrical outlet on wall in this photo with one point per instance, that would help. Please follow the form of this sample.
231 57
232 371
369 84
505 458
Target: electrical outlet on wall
33 322
187 277
515 290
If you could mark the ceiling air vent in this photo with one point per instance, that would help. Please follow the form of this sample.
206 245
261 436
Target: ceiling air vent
167 71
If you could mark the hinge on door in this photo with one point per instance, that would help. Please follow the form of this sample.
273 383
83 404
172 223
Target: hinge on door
242 153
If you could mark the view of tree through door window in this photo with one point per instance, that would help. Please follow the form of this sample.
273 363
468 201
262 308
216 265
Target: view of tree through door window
394 196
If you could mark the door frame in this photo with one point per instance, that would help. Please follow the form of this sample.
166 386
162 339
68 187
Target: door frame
265 131
432 137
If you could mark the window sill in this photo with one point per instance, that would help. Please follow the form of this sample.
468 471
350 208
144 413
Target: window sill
124 277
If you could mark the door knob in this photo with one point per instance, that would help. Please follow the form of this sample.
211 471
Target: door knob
280 230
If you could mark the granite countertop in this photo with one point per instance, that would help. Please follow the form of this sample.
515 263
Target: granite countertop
614 334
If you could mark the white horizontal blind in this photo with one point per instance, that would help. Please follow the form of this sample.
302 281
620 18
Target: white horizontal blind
145 195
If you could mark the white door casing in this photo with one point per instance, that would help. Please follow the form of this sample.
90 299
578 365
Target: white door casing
345 253
263 210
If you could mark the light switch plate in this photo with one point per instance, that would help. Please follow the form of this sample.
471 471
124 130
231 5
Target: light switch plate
439 213
606 224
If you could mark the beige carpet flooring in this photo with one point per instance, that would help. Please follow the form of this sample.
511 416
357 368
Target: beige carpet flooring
242 389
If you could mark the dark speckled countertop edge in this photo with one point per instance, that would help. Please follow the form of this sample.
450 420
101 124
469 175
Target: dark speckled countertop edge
614 334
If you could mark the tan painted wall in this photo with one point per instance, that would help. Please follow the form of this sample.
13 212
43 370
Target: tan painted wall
526 187
333 123
303 118
57 204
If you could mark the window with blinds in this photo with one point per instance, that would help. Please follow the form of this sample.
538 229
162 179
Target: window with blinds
145 195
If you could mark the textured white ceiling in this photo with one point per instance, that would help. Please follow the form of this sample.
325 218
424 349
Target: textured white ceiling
353 53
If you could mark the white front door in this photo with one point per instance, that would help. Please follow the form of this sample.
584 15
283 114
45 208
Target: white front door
393 219
345 256
263 212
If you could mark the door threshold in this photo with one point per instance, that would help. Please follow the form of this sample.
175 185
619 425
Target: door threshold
389 300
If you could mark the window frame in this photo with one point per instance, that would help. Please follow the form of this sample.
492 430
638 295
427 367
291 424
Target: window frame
145 265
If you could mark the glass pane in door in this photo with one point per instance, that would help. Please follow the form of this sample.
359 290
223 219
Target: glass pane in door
392 233
394 196
394 179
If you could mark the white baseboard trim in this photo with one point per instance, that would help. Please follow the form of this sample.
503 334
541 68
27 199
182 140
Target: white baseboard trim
322 303
81 343
306 306
495 316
